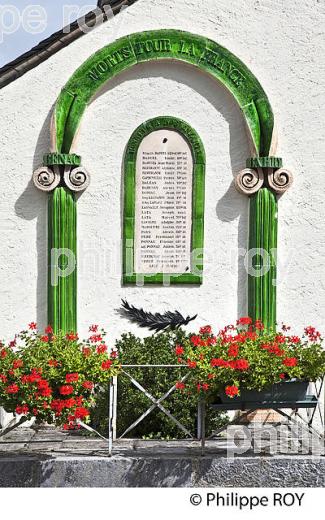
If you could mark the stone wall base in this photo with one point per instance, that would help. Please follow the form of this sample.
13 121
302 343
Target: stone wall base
301 471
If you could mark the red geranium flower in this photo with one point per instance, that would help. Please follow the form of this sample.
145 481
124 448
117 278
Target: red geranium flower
18 363
218 362
57 405
206 330
312 333
101 349
66 390
42 383
196 340
107 364
45 392
294 339
34 377
290 362
32 325
285 327
179 350
22 410
259 325
180 385
88 385
191 364
282 376
95 338
3 353
241 364
45 339
245 320
12 389
69 403
231 391
233 350
3 378
49 330
71 378
71 336
86 351
93 328
53 363
81 412
114 354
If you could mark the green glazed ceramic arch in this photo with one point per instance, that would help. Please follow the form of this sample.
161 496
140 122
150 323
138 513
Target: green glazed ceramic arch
207 56
166 44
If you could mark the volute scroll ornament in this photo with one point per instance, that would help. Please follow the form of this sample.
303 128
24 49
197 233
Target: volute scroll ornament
249 181
76 179
279 180
263 171
61 170
47 178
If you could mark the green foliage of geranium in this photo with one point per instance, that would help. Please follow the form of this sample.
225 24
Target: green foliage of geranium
54 378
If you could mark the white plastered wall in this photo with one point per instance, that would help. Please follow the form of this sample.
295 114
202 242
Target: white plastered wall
282 43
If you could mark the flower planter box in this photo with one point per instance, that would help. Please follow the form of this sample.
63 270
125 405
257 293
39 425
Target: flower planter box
280 392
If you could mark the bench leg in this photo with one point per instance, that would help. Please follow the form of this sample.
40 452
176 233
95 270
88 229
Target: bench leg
203 411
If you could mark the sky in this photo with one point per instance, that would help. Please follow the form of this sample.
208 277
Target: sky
24 23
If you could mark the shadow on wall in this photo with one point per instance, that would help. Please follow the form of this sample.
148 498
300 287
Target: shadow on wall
32 204
28 205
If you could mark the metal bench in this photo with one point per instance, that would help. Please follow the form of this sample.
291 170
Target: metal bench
311 403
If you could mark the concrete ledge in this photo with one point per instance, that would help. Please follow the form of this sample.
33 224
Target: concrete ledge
162 471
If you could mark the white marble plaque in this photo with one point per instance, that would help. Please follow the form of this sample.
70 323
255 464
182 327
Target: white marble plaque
163 216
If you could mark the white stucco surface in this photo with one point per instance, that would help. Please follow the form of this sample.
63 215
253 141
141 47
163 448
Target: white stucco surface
283 44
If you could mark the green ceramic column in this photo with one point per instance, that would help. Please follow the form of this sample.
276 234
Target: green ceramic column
62 251
263 241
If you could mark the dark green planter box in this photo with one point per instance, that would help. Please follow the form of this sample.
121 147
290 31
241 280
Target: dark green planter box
279 392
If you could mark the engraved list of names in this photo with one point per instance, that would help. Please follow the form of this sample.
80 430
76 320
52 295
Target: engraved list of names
163 221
